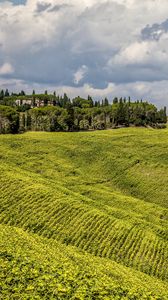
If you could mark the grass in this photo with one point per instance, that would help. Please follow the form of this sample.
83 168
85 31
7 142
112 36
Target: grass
104 193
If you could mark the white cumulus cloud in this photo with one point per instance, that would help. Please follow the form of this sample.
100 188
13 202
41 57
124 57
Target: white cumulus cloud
50 43
80 73
6 68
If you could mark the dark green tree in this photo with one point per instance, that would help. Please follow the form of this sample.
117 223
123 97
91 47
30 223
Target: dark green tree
6 93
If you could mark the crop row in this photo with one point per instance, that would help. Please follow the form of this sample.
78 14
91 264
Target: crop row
54 214
46 269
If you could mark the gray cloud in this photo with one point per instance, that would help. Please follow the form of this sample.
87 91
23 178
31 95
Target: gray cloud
97 47
59 7
155 31
42 7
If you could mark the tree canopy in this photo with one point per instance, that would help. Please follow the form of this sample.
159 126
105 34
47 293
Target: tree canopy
51 112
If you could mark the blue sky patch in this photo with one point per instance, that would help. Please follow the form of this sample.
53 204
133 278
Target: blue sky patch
17 2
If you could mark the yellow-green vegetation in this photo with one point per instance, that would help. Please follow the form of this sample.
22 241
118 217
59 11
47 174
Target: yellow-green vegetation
104 193
36 268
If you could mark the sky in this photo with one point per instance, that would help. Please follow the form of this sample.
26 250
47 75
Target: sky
103 48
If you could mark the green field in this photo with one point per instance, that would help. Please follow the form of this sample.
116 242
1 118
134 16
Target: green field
84 215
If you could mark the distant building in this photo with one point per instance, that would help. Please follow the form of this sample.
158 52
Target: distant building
33 102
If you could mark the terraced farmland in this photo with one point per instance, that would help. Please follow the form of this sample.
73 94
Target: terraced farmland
104 193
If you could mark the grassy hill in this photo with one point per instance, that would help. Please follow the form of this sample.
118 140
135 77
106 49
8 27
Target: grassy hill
36 268
104 193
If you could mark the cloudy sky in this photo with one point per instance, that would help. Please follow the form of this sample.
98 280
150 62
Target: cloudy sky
102 48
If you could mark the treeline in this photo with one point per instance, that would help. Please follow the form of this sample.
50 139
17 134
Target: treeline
45 112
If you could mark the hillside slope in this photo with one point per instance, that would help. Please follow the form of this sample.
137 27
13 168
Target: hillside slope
103 192
36 268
